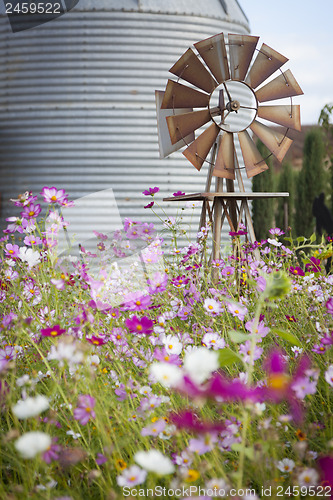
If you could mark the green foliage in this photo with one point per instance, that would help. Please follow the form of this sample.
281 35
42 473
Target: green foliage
286 183
310 181
263 210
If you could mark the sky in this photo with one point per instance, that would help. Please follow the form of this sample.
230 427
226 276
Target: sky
301 30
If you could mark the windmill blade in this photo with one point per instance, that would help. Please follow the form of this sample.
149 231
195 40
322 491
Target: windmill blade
277 143
164 141
179 96
213 52
284 85
181 125
191 69
197 152
241 49
225 161
265 64
287 116
254 162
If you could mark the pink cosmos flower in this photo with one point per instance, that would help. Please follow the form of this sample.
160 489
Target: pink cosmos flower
53 452
276 231
142 326
154 429
228 271
151 191
136 301
237 310
12 250
178 193
53 195
31 211
245 350
158 283
32 240
84 411
53 331
150 205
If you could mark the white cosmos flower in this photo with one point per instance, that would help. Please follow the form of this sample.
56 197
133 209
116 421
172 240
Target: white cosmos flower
154 461
286 465
166 374
308 477
30 256
30 407
172 344
32 443
274 242
200 363
329 375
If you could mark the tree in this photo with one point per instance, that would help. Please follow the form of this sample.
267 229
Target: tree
263 210
325 122
286 184
310 182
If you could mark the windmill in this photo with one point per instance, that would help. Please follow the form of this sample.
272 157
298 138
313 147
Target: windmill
219 91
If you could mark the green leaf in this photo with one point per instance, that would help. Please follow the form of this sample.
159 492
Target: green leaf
228 357
238 337
289 337
300 239
313 238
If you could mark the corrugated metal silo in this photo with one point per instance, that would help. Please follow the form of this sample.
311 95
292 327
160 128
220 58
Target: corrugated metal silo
77 103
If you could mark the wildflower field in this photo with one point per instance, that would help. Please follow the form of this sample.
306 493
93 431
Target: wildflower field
139 369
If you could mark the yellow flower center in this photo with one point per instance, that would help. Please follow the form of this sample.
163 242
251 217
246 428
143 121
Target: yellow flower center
53 198
278 381
54 333
139 327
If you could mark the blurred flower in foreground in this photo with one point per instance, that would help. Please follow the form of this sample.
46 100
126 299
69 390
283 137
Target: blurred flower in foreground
154 461
32 443
30 407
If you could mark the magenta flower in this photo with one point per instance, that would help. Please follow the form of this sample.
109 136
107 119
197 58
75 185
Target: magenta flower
84 411
151 191
292 319
189 420
178 193
31 211
150 205
53 331
240 232
53 195
97 340
142 326
313 265
329 306
326 468
296 271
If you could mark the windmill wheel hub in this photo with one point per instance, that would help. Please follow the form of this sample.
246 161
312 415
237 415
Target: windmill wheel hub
233 106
